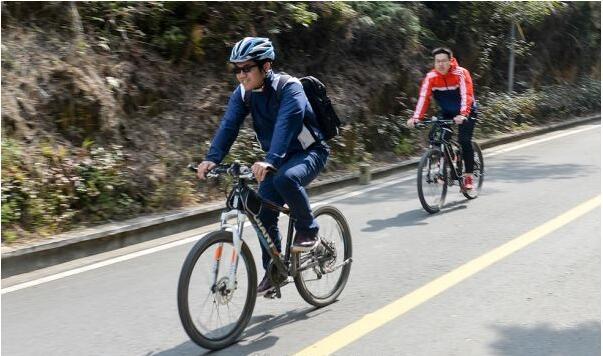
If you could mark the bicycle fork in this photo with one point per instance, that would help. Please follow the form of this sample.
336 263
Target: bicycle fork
441 176
237 241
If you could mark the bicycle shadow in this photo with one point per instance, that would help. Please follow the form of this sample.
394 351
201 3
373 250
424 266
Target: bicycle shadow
257 335
395 192
415 217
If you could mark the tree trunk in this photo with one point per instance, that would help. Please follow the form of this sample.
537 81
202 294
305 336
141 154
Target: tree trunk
511 59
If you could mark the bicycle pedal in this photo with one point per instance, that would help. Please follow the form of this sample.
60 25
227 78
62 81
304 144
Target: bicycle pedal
270 294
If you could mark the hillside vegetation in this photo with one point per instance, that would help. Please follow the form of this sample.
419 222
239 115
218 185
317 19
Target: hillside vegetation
104 103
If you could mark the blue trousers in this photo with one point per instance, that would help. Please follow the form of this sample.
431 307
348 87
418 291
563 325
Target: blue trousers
287 186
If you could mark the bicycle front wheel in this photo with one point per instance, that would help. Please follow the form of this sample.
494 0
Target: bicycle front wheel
213 308
432 180
322 273
478 172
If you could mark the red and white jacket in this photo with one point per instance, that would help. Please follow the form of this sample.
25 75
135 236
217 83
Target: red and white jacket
452 91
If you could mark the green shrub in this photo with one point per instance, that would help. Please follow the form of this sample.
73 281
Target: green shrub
60 188
502 112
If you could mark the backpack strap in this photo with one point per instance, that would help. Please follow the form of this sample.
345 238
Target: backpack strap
282 80
247 99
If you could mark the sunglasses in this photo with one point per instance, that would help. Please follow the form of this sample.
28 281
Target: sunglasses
245 69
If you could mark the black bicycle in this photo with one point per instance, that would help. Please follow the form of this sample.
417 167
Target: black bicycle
442 166
217 288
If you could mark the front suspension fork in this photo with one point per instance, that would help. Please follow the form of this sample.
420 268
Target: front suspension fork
237 241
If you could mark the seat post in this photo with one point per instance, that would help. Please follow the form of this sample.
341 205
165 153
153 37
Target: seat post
289 240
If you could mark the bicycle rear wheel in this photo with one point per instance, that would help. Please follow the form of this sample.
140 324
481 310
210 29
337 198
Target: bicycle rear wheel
478 172
322 273
212 314
431 180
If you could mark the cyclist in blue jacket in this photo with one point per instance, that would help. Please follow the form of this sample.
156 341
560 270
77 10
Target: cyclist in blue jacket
287 130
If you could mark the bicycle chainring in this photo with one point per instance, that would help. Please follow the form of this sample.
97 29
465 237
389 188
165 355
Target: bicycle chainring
275 276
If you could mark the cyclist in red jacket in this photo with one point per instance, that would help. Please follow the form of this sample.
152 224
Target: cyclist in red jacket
452 88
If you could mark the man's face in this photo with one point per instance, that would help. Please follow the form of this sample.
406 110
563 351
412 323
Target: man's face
250 76
442 63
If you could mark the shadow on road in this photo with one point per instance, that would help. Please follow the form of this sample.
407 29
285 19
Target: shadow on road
527 169
399 191
544 339
256 337
412 218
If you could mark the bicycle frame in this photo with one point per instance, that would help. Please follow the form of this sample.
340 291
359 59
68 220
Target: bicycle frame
237 207
447 147
241 212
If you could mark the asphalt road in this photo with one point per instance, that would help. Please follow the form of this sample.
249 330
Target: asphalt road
541 299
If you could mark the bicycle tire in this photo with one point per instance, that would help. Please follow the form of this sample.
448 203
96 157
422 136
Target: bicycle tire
300 284
426 160
183 291
478 169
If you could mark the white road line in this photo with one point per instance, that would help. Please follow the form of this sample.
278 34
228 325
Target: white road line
545 139
175 243
315 204
100 264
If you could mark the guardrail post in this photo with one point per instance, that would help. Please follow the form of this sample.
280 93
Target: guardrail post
365 174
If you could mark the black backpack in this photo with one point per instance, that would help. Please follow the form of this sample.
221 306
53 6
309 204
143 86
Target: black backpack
316 92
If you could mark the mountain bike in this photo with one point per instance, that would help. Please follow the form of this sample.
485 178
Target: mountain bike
442 166
217 288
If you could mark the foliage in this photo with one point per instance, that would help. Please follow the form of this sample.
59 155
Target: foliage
384 29
54 189
246 148
348 148
479 33
501 112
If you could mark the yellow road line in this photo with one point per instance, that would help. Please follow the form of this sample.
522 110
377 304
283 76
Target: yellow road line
374 320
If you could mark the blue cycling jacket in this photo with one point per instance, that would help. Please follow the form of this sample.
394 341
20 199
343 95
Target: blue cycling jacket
283 128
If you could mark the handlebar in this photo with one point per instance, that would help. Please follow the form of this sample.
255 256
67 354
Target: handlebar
235 170
433 120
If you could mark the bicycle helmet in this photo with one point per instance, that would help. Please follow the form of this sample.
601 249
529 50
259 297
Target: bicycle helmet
252 49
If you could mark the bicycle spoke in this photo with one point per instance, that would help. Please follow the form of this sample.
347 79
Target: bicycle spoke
331 234
218 312
432 180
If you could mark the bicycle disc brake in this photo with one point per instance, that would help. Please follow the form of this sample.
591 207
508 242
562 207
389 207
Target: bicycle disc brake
223 295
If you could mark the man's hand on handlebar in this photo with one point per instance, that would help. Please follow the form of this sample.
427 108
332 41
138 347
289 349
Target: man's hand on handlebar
412 122
203 168
459 119
261 169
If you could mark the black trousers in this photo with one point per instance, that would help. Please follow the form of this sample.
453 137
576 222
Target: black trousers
464 139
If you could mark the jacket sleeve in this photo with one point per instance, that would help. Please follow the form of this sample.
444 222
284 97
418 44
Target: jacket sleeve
424 98
466 86
229 127
289 122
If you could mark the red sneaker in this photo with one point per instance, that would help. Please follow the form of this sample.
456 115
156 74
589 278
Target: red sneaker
468 183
